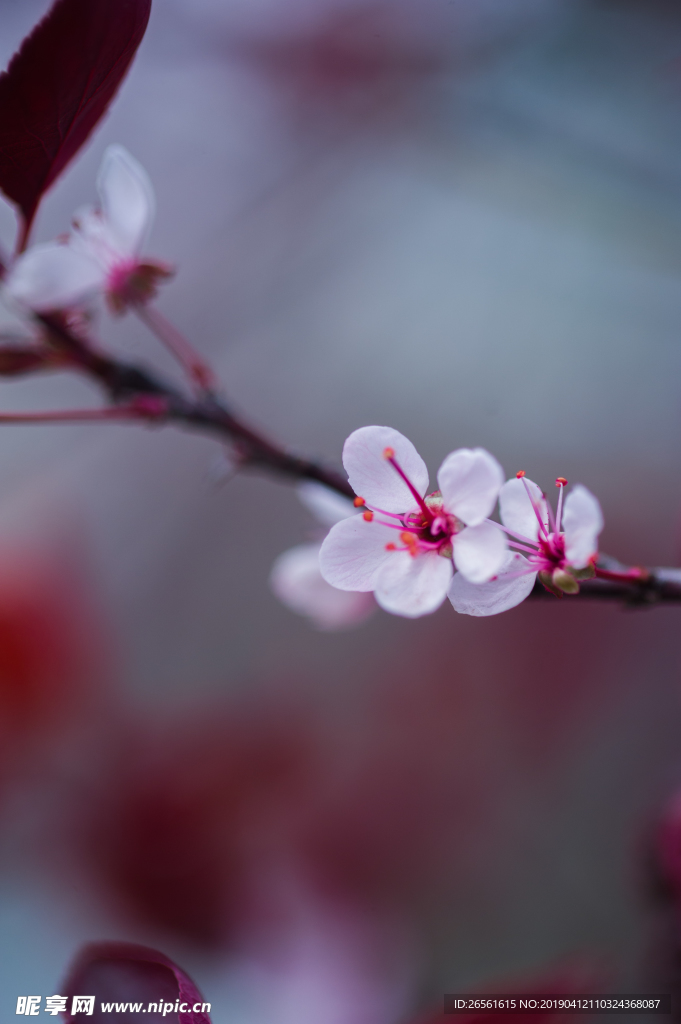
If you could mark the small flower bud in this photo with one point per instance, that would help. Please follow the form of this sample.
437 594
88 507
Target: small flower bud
565 581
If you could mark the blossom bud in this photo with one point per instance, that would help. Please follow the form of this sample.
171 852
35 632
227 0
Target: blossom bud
565 581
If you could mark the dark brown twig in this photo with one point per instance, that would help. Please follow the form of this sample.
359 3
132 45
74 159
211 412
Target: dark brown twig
127 386
124 382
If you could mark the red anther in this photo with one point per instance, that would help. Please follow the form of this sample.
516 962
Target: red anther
358 502
368 516
520 474
391 547
561 481
388 453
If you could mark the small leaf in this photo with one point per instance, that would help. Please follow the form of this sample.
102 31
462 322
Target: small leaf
58 86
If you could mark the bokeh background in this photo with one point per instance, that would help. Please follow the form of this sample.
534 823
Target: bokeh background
456 217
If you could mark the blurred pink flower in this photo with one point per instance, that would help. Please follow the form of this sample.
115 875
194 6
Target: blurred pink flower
296 578
405 557
102 252
559 549
376 52
316 957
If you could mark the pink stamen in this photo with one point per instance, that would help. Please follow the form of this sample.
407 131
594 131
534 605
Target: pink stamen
552 519
522 547
534 506
382 511
559 514
389 454
511 533
396 526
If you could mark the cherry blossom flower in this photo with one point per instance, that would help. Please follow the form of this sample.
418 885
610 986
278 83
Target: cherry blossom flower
559 549
102 252
296 578
406 543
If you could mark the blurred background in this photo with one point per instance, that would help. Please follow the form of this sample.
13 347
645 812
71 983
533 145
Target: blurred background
456 217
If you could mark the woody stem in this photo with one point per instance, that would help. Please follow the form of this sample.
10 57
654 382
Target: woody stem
199 372
137 392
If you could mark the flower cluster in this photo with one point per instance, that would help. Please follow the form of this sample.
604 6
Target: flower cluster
413 549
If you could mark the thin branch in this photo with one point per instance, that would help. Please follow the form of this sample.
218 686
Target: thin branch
137 392
123 382
635 587
198 371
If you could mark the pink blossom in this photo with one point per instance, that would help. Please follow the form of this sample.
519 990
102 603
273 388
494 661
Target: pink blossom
102 252
560 549
406 543
296 578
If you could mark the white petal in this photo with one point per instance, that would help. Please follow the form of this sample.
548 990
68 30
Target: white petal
92 236
515 507
582 523
53 276
353 552
413 586
326 505
127 200
297 582
497 595
371 475
480 552
470 480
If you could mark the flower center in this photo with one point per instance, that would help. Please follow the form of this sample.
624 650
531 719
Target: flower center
131 282
552 551
430 528
119 276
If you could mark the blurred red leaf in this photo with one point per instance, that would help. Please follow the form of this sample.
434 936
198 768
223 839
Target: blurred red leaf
123 972
58 86
176 829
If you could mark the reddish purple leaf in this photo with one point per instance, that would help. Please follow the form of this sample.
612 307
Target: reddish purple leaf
58 86
122 973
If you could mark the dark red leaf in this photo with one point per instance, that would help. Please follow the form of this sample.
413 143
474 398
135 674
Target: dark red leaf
58 86
120 972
